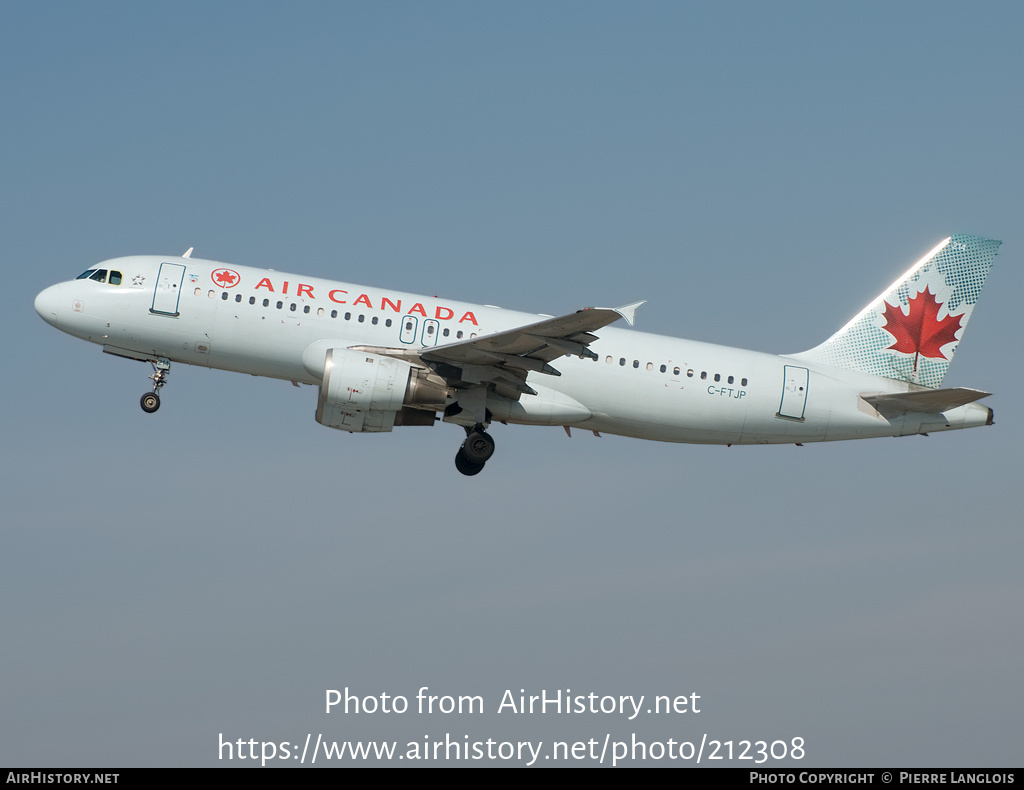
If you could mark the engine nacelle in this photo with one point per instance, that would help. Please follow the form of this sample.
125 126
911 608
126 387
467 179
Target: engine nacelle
369 393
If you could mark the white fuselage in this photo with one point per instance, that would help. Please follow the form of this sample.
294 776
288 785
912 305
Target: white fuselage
261 322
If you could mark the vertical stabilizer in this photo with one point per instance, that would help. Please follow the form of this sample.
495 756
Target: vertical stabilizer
911 331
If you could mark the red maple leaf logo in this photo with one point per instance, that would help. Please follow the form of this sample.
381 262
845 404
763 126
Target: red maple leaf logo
225 277
920 332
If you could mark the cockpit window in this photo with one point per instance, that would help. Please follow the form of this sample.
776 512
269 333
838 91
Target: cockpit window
100 276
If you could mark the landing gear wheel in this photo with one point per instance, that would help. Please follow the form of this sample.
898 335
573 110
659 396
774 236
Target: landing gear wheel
466 466
161 370
478 447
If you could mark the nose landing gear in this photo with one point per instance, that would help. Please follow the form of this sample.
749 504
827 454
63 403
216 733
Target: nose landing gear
150 402
475 451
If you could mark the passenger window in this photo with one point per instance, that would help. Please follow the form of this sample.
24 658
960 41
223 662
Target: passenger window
388 323
663 369
718 377
292 308
266 303
224 296
743 382
374 321
689 373
458 335
199 291
608 359
238 297
650 366
622 362
306 309
320 311
703 374
211 294
334 313
252 300
731 379
280 305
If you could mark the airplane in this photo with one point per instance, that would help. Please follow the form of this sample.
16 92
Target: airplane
383 359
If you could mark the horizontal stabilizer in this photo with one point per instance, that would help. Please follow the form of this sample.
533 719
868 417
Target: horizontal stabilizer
924 401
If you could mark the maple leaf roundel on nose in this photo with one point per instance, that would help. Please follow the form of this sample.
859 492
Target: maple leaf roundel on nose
921 331
225 278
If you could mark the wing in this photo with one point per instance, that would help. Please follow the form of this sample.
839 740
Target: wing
505 358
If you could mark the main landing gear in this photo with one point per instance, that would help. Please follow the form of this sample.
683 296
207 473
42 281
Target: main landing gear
150 402
475 451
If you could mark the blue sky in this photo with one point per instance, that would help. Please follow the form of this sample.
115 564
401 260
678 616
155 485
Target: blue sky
758 172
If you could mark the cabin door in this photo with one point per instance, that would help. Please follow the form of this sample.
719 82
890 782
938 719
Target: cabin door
794 393
168 289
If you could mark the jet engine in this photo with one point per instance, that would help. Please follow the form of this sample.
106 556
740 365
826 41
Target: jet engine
362 392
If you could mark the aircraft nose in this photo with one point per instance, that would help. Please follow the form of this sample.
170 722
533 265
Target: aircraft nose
46 304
